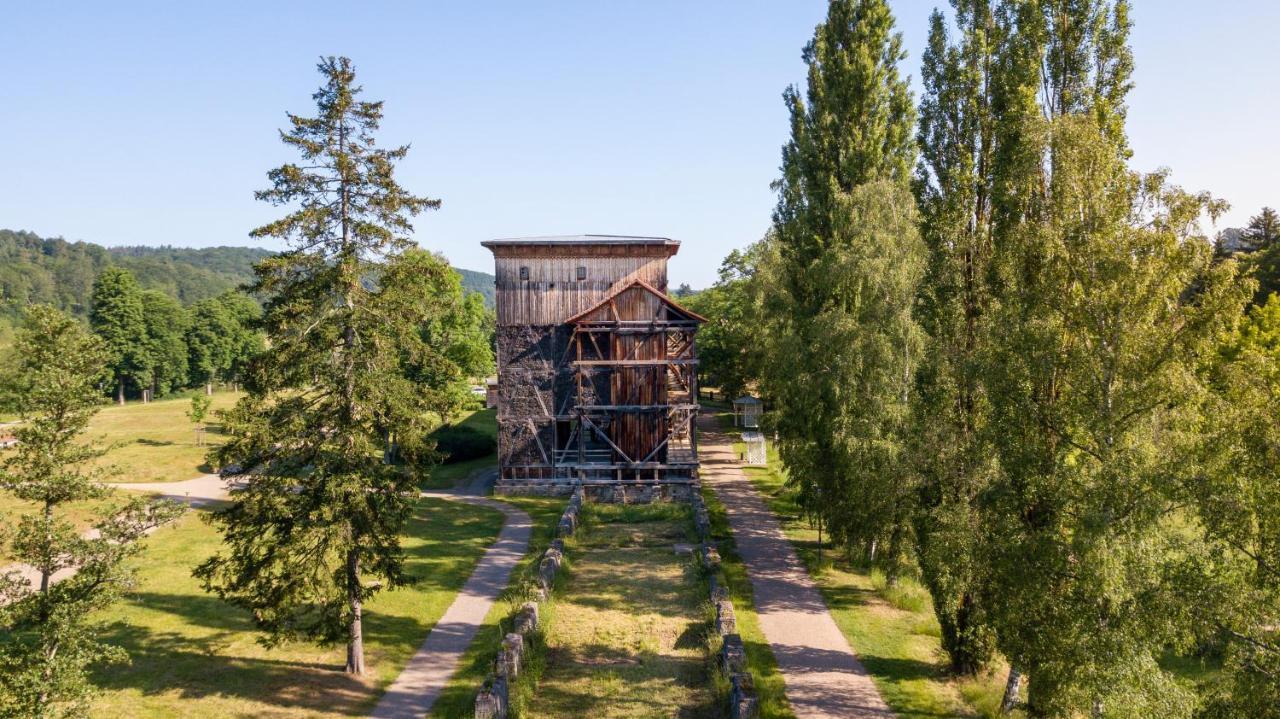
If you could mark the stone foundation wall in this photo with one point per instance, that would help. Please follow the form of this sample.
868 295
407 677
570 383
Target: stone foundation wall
602 492
743 701
493 700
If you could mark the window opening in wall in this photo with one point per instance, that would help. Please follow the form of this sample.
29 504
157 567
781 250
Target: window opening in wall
524 273
582 273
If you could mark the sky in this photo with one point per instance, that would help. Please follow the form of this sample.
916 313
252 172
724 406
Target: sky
133 123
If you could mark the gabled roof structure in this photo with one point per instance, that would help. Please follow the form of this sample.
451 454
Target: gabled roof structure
607 310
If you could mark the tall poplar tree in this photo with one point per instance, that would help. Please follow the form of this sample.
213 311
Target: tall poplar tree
842 341
954 191
1106 300
314 531
117 316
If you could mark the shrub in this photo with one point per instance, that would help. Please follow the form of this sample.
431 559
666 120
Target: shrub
458 443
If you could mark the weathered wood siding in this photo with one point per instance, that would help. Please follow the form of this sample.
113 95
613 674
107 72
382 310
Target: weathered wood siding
553 293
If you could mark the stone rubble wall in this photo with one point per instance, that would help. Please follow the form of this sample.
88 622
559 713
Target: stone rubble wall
743 701
628 492
493 701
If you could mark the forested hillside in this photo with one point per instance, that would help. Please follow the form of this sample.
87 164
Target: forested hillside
481 282
61 273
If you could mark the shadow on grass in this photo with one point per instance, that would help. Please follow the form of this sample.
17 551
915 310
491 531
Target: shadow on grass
601 679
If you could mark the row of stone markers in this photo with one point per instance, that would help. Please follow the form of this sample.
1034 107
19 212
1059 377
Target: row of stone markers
494 699
743 702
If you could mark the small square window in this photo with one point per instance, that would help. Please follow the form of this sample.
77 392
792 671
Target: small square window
582 273
524 273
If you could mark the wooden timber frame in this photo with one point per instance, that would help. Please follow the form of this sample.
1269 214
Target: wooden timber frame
597 381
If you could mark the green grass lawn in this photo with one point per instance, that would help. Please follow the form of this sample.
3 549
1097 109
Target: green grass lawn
194 655
82 514
628 636
156 442
893 630
447 476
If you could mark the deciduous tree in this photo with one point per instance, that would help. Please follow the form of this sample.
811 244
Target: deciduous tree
118 316
843 342
954 190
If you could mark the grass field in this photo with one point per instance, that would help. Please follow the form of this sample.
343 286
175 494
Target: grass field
81 514
156 442
893 630
447 476
194 655
628 635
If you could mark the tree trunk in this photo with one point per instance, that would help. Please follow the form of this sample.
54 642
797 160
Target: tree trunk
1012 688
44 571
893 557
355 645
208 389
120 391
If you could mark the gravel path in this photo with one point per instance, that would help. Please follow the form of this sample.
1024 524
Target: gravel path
414 692
822 674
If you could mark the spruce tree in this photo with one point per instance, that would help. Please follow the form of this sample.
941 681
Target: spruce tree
842 343
1263 240
314 531
118 317
48 640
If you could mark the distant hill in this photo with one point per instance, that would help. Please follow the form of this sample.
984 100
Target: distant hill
481 282
61 273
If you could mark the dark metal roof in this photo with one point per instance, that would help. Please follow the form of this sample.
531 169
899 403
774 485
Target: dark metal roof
582 240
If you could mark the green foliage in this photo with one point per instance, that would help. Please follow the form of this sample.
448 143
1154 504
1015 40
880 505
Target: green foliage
199 408
221 337
1262 239
730 342
335 391
165 322
841 274
1107 297
60 273
118 316
1235 596
48 641
481 283
458 443
954 191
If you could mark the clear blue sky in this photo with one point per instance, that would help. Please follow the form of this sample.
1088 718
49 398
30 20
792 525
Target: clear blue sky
152 123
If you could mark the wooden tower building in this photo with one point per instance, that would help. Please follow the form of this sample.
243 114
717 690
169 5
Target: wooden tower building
596 369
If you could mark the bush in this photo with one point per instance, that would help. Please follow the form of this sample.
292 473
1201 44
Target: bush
906 594
458 443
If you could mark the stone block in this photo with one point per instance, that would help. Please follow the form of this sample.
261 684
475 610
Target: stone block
733 654
526 619
743 702
508 664
491 702
726 620
710 558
